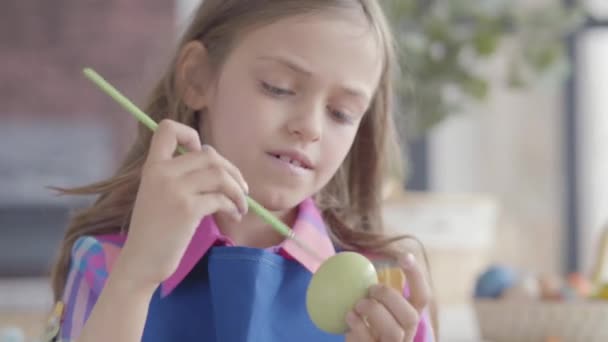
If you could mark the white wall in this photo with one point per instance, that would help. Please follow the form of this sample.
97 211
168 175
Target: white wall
598 8
593 135
510 148
183 12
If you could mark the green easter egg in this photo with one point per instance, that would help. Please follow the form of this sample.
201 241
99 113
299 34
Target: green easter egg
336 287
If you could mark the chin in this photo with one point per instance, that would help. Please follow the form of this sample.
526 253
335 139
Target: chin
278 199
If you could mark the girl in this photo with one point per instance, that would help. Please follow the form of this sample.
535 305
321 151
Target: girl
287 101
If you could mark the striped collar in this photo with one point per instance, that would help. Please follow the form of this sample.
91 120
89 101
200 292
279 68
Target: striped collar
308 227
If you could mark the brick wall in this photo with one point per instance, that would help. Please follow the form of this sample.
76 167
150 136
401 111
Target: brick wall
45 44
57 128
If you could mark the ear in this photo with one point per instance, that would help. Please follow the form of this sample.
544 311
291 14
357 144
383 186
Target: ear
193 75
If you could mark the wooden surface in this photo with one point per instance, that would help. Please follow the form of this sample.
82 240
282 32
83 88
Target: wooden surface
32 323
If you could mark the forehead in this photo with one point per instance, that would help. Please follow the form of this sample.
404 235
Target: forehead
336 46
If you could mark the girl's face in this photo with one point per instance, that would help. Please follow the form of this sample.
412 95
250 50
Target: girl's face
288 101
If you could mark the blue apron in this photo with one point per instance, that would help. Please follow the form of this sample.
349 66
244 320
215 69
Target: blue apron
236 294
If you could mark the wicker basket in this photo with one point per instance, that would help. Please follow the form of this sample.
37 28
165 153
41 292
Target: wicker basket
538 321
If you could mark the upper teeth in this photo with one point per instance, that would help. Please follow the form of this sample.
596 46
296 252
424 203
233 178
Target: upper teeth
291 161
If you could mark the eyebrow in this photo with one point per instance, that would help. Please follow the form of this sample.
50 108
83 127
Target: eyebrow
288 63
306 72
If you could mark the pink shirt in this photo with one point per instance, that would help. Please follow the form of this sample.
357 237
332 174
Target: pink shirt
93 256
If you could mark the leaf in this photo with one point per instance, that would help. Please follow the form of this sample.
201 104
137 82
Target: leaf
515 78
486 42
541 57
476 87
432 35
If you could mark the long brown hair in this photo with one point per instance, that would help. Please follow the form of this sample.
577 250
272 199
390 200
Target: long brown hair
350 203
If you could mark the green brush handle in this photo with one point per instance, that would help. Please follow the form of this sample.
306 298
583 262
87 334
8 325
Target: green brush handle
142 117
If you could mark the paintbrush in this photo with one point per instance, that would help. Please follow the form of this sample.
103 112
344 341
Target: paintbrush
142 117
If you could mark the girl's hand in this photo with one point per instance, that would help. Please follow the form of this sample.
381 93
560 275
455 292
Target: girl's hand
174 195
386 316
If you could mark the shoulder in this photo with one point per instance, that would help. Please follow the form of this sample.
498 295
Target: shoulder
93 256
91 259
96 251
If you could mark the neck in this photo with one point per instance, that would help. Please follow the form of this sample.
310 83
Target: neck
252 231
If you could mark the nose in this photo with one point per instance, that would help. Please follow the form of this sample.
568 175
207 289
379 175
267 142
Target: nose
307 123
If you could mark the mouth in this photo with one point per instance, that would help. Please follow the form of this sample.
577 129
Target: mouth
293 158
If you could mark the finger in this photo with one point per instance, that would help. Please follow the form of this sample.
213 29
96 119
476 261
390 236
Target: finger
211 203
418 286
228 166
381 321
168 136
215 180
359 331
402 312
205 158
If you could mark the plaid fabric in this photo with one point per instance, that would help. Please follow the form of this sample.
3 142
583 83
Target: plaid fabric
91 261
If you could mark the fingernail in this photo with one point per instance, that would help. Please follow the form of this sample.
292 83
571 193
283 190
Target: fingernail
408 261
246 187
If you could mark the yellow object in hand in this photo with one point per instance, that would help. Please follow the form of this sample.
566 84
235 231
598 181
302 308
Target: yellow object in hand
602 292
392 277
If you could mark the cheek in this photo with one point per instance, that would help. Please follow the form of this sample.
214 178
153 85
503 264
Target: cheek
232 130
335 149
234 114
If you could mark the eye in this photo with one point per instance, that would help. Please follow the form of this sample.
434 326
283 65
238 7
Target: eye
340 116
276 91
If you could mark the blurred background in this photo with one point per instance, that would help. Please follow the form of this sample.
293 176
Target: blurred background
503 114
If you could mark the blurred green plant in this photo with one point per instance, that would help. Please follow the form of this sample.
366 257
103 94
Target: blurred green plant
441 43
